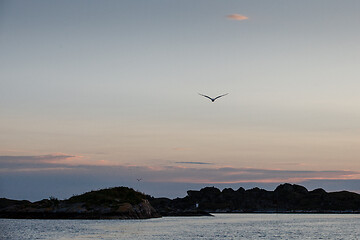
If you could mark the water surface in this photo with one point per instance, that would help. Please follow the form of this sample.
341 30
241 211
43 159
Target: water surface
222 226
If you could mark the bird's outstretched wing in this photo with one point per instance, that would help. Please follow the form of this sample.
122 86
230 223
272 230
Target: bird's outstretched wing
221 96
207 97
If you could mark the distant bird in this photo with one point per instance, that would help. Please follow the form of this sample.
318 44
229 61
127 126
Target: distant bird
139 179
213 99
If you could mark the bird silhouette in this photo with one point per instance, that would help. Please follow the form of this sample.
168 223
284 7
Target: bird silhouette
213 99
139 179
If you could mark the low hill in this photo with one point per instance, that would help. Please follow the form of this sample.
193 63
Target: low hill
111 203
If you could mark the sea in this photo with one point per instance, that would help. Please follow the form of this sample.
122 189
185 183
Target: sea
220 226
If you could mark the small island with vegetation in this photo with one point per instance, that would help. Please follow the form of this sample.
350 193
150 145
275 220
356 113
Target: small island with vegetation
126 203
111 203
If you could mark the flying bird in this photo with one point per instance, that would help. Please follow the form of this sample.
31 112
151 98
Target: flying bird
139 179
213 99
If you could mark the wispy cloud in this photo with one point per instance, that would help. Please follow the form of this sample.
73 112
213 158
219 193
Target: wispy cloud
180 149
38 158
178 173
37 161
237 17
199 163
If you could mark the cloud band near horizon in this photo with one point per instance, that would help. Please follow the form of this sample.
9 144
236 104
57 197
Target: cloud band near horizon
67 164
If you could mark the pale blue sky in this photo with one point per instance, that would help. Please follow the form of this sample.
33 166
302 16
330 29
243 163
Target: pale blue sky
115 83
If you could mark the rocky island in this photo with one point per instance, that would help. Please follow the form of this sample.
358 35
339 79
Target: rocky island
126 203
286 198
111 203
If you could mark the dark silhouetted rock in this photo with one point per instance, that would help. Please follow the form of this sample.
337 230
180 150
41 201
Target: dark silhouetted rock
112 203
125 203
285 198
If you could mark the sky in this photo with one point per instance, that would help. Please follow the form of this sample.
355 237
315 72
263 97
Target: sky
96 94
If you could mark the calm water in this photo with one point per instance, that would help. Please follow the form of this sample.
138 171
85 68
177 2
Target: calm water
222 226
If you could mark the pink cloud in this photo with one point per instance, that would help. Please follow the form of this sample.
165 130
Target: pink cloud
216 175
193 172
180 149
237 17
49 158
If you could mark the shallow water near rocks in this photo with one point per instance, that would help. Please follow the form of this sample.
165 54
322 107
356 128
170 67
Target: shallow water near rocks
221 226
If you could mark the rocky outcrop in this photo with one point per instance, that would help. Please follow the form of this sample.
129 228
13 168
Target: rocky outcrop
285 198
125 203
112 203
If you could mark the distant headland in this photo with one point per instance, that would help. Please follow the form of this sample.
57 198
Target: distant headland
126 203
